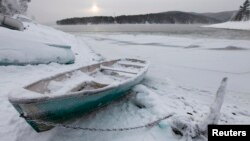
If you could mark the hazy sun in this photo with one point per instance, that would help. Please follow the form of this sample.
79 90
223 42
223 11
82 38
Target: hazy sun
95 9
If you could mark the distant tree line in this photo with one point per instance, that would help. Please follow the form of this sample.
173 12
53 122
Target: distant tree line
158 18
244 12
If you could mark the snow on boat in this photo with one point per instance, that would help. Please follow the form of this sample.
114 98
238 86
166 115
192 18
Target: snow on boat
72 94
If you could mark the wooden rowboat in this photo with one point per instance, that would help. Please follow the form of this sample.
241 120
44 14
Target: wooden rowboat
11 23
72 94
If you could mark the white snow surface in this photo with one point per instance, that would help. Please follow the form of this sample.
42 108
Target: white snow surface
183 78
61 87
239 25
185 73
29 46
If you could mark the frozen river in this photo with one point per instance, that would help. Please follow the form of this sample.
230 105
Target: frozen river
165 29
197 56
187 61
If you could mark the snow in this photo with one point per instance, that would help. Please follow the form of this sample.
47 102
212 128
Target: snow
240 25
106 79
61 87
21 52
12 78
22 18
183 77
19 93
102 75
25 48
181 63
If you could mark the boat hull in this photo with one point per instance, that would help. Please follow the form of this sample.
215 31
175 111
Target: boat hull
62 109
11 23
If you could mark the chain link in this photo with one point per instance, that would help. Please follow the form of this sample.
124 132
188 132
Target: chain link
148 125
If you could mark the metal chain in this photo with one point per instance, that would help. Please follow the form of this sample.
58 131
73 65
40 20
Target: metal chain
148 125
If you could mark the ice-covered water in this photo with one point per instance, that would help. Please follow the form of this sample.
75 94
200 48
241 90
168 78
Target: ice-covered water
194 57
194 30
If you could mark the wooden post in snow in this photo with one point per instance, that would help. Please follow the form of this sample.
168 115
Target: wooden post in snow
215 108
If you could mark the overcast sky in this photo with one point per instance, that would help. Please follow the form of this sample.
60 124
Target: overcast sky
46 11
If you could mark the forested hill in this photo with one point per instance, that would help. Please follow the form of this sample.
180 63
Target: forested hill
222 16
172 17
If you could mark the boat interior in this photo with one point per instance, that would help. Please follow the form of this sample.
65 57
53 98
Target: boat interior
91 77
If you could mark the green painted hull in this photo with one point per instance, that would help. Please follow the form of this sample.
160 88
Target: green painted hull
59 110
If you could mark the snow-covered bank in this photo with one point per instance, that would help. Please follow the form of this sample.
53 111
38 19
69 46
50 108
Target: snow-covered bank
243 25
37 44
12 127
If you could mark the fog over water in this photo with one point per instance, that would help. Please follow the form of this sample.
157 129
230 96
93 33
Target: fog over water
193 30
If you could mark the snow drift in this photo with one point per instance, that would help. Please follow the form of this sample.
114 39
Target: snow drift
15 49
27 52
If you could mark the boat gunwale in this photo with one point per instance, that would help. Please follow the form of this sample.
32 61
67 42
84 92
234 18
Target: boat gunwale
83 93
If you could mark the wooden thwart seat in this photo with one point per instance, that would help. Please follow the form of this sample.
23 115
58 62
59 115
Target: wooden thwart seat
117 70
131 65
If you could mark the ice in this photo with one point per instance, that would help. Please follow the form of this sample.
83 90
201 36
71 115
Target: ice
204 63
240 25
184 80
